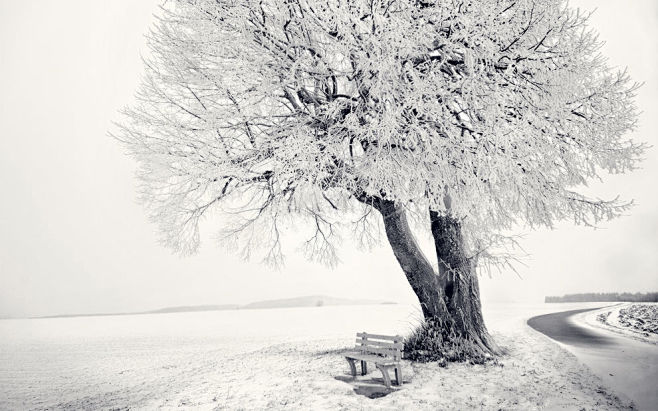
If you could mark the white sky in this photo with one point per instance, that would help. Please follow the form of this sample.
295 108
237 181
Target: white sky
74 239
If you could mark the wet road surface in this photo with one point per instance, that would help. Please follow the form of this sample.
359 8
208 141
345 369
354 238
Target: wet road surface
627 366
558 327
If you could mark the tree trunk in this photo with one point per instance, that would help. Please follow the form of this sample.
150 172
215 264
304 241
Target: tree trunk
416 267
450 300
459 281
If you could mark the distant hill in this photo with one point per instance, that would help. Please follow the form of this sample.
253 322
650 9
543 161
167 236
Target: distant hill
190 308
307 301
604 297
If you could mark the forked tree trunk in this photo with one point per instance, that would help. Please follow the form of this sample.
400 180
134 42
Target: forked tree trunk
416 267
459 281
449 299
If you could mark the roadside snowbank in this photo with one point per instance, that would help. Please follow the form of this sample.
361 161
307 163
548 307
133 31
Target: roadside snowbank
635 320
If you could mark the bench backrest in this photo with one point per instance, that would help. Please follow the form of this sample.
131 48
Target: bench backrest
382 345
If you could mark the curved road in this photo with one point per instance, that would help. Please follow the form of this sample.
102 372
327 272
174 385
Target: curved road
558 327
628 366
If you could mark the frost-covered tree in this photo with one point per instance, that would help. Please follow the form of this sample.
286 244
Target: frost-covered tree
462 118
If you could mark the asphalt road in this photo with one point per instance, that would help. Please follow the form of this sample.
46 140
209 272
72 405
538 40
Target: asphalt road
627 366
558 327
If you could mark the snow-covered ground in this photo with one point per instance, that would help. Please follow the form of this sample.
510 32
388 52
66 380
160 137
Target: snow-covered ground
279 358
635 320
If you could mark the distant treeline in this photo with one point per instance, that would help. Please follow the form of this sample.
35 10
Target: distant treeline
595 297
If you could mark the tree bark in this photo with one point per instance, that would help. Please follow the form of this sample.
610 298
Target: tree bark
459 281
449 299
416 267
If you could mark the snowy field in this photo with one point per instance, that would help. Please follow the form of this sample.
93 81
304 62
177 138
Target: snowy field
275 359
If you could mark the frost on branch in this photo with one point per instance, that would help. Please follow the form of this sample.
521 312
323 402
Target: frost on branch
266 110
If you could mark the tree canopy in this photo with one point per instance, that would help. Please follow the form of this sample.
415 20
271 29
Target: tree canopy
494 111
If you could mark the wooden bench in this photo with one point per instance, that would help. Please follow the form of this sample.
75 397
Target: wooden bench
383 350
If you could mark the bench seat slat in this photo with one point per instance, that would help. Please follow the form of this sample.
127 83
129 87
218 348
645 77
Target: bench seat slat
372 358
380 337
394 346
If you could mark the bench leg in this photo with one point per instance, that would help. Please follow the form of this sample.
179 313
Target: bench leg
398 375
387 379
364 368
352 366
